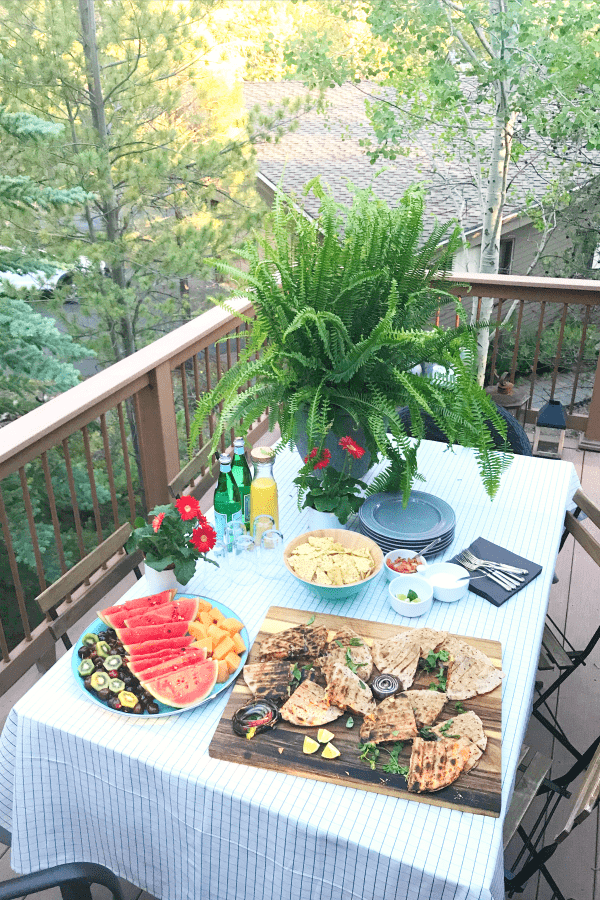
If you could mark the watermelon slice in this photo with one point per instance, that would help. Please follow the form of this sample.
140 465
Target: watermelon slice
151 648
188 658
177 611
114 616
141 663
129 636
185 687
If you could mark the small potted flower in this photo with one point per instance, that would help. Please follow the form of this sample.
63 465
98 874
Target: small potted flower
330 496
177 536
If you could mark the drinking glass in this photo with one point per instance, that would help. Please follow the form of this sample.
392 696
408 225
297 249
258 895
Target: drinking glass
219 554
261 524
243 557
233 531
271 553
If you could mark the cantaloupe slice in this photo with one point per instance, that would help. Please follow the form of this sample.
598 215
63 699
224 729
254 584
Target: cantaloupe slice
207 643
205 617
216 633
223 672
238 644
203 606
216 615
233 626
224 647
233 661
197 630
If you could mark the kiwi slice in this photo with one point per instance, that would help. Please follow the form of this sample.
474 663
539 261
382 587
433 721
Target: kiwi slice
116 685
128 699
103 649
86 667
100 680
90 639
113 662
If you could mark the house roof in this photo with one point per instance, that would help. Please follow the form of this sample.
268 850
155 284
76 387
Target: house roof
329 144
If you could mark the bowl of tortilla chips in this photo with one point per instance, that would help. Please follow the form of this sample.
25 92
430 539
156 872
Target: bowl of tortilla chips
333 563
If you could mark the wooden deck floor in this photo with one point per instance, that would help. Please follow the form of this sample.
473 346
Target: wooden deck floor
574 604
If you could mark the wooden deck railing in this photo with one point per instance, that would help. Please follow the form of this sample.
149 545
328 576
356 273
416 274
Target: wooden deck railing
76 471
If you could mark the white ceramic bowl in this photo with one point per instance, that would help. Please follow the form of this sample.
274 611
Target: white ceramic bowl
400 554
449 581
402 584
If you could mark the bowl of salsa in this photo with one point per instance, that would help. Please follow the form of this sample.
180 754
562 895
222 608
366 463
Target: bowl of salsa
402 562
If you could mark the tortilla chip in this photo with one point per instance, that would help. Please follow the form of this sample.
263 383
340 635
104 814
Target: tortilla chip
321 576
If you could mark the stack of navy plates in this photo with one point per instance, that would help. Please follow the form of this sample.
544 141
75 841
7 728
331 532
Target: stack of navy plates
384 519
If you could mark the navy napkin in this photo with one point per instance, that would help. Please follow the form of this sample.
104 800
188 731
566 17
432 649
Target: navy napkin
487 588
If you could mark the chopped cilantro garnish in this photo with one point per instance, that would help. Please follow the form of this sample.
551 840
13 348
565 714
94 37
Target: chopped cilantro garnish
349 722
369 752
311 620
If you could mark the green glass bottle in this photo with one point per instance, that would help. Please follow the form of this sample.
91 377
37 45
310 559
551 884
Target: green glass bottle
242 477
228 503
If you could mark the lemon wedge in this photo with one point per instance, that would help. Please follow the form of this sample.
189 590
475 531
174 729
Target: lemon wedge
330 752
324 736
309 746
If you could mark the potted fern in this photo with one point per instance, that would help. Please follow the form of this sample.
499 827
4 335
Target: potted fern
343 308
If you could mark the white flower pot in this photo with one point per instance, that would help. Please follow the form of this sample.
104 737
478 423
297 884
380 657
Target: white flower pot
317 520
161 581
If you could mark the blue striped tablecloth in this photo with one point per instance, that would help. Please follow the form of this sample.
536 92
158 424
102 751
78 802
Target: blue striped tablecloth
142 796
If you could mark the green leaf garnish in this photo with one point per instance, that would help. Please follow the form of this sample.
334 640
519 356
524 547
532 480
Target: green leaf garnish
311 620
369 753
349 722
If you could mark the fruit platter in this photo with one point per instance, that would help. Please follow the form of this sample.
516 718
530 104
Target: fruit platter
160 655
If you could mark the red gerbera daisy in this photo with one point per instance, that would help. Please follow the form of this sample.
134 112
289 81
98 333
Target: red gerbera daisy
325 459
157 521
352 447
188 507
204 538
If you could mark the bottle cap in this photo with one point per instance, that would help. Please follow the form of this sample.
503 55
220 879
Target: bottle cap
238 443
262 454
224 459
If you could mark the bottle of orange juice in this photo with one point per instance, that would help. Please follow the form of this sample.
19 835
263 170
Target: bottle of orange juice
263 490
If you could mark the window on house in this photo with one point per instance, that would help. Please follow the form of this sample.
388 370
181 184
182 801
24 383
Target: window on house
506 257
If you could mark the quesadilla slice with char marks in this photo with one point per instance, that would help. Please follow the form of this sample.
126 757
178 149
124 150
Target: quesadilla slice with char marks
294 643
398 656
467 725
430 640
270 680
393 720
456 647
426 705
469 676
347 644
436 764
346 690
309 706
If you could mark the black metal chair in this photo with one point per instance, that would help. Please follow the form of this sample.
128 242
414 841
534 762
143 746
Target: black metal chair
532 782
73 879
557 650
516 436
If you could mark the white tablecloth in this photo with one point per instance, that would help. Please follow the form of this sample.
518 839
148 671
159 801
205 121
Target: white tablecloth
143 797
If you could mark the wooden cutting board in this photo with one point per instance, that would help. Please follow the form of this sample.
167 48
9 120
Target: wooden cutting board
479 791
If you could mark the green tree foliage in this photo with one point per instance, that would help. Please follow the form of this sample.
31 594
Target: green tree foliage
157 141
490 79
36 359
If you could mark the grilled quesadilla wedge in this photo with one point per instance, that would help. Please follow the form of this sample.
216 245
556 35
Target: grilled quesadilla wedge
430 640
394 720
467 725
456 647
294 643
426 705
344 642
398 656
309 706
270 680
436 764
469 676
346 690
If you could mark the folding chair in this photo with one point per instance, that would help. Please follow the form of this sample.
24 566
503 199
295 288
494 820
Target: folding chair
532 782
557 650
74 879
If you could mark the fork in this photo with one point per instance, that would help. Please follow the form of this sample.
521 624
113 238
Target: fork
508 582
468 554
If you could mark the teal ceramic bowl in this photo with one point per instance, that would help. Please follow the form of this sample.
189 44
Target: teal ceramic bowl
350 540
